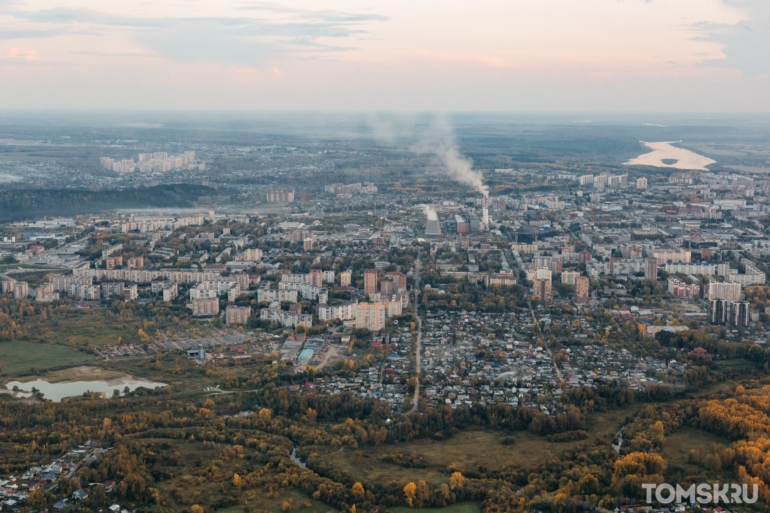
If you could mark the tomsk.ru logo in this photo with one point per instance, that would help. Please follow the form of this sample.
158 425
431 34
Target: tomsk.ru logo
704 493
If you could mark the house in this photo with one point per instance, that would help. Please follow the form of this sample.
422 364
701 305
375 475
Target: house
79 495
60 505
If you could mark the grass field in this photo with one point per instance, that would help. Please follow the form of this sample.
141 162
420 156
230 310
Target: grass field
678 444
20 356
466 451
457 508
33 277
83 328
607 423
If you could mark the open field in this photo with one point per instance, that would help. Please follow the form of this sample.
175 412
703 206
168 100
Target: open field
33 277
83 373
678 444
80 329
370 469
607 423
457 508
467 451
20 356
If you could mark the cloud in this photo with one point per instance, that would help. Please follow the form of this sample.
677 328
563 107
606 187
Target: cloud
27 54
744 44
245 40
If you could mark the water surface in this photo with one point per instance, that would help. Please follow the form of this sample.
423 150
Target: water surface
57 391
664 154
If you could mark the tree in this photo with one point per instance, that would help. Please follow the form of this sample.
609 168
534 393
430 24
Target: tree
457 480
237 481
196 509
409 492
37 499
358 491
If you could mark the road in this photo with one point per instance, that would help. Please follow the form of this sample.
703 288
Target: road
418 342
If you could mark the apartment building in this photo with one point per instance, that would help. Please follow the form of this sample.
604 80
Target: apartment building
370 316
205 307
237 314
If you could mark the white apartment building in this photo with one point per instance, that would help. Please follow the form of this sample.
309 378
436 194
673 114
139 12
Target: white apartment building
307 291
729 291
283 296
286 318
210 289
344 312
704 269
667 255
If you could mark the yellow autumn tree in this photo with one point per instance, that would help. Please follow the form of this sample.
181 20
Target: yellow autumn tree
358 490
265 414
409 491
456 481
237 481
196 509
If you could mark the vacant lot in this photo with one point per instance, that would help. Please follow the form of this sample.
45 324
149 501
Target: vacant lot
20 356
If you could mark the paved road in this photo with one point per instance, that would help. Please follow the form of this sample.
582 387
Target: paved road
418 343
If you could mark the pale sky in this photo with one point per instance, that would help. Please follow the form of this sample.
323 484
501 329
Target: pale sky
417 55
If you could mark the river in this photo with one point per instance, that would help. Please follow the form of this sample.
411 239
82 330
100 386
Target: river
664 154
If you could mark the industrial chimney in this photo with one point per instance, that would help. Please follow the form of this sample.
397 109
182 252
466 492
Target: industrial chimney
485 212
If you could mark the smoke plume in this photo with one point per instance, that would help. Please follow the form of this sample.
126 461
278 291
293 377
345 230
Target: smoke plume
430 213
439 139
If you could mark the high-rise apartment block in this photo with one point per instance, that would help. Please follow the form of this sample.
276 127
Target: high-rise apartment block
370 281
542 290
370 316
651 269
582 289
729 291
280 195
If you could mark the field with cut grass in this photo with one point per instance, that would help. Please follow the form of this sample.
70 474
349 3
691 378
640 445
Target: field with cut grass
20 356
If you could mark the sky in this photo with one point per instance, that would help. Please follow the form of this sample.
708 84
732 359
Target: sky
396 55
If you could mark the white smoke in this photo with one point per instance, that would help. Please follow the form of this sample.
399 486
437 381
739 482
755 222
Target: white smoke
430 213
439 139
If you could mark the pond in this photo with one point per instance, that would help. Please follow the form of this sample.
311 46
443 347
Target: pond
57 391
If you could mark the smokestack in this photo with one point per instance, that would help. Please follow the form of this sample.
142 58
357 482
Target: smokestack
485 212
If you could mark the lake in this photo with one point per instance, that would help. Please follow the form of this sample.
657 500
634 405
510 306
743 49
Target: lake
664 154
57 391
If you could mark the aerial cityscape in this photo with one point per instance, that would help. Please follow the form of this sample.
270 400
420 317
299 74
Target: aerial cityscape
432 257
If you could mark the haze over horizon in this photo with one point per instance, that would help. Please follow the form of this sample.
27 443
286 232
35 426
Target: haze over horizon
550 56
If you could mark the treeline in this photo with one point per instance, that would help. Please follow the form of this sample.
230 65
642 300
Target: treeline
20 204
441 422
